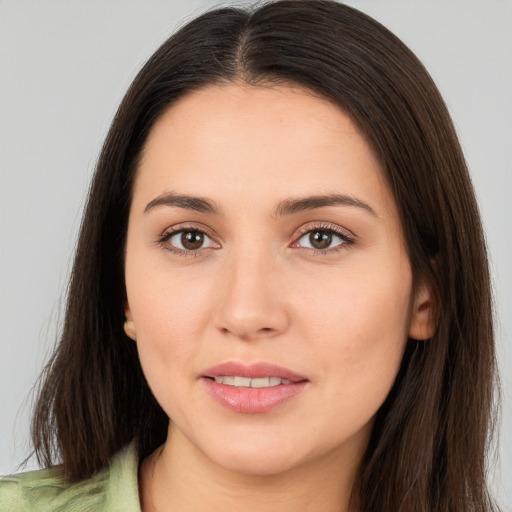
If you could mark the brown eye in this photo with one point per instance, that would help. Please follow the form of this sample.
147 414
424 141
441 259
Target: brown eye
323 239
320 239
189 240
192 240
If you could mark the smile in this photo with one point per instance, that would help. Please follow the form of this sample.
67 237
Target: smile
252 388
247 382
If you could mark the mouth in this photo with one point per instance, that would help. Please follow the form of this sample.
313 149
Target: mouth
247 382
253 388
234 373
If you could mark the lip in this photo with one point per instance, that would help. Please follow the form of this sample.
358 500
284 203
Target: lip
252 400
253 371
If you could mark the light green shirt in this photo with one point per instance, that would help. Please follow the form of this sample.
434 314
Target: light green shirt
115 489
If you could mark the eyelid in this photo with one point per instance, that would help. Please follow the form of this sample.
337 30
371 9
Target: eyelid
347 236
327 226
189 226
170 231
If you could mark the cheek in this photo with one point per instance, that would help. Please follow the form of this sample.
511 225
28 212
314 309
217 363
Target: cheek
167 304
168 315
359 329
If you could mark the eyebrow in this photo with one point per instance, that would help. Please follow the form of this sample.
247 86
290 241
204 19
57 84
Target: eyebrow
187 202
286 207
291 206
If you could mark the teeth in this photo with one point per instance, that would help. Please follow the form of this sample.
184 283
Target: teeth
264 382
246 382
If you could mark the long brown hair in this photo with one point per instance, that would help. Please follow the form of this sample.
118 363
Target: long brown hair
429 442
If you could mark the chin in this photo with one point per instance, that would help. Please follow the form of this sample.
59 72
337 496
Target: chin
261 464
260 457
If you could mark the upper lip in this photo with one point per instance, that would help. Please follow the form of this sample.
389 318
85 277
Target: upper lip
253 371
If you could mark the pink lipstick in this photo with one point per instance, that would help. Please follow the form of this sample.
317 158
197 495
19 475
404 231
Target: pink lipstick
252 388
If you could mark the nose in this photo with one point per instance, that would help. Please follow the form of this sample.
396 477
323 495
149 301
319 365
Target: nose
251 302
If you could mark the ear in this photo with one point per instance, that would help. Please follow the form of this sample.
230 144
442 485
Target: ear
423 318
129 324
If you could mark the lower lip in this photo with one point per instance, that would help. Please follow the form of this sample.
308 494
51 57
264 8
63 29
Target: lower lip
252 400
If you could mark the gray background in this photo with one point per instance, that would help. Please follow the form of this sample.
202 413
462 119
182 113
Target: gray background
64 66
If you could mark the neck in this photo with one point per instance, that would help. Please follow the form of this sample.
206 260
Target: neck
179 478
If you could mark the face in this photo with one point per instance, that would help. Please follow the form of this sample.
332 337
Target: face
267 279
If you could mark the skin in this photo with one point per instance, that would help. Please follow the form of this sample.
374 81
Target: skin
256 291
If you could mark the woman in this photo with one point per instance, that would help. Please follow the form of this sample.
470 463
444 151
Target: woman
278 255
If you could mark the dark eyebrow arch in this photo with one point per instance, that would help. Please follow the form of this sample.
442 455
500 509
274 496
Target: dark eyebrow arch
286 207
291 206
199 204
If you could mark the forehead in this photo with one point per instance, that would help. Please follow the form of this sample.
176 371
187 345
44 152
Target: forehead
222 140
212 110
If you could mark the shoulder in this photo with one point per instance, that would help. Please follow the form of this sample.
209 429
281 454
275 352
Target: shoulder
113 489
31 491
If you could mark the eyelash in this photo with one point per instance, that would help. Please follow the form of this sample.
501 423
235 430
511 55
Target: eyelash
347 240
181 228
